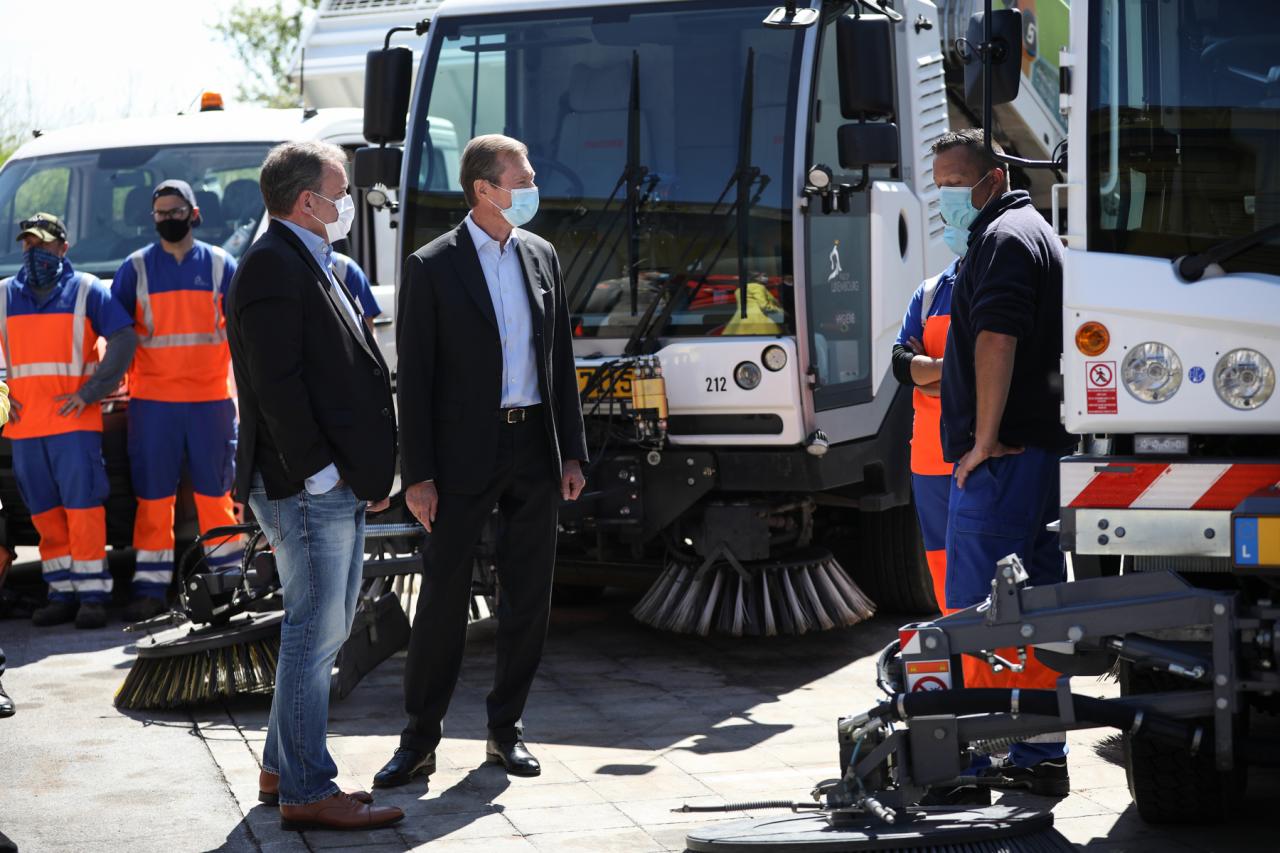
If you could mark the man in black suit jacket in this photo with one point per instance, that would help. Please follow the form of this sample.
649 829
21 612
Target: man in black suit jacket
490 417
317 447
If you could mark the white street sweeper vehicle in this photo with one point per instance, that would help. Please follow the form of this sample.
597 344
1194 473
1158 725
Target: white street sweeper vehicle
742 210
1172 268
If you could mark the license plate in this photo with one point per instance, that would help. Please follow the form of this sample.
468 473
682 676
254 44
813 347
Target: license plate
617 387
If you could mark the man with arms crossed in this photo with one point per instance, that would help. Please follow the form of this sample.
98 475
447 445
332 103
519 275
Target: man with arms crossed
490 415
317 441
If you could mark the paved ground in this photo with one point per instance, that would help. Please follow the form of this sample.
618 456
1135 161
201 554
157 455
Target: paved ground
628 723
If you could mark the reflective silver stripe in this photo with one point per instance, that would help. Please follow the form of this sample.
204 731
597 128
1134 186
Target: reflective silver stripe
218 262
191 339
92 585
143 295
88 567
153 576
62 586
56 564
51 368
144 556
77 330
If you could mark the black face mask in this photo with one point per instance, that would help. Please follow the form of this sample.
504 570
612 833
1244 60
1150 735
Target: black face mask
173 230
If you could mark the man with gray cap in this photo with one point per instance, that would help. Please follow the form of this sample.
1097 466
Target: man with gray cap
180 407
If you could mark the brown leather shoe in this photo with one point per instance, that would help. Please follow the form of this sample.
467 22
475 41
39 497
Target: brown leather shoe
339 812
269 790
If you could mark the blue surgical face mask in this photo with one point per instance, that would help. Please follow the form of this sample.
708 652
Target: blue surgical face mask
957 239
956 204
43 267
524 205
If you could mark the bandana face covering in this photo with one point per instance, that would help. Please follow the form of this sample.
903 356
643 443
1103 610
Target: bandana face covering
43 267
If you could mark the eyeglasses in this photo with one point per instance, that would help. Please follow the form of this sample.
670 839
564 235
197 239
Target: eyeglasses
172 213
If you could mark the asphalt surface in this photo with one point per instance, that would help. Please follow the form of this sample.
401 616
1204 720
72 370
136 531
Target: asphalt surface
628 722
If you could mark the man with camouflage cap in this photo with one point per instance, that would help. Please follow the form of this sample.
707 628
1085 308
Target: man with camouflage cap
50 320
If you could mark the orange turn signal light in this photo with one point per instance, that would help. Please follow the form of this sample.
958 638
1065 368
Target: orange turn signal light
1092 338
210 101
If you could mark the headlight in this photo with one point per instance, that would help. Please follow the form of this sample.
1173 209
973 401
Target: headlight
1244 379
1152 372
774 358
747 375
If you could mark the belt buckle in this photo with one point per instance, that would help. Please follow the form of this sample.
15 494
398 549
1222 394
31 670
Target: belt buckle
514 416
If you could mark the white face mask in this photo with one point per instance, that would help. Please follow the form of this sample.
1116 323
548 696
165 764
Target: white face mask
339 229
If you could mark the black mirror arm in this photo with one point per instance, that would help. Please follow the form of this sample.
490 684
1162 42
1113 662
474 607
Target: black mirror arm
986 54
419 28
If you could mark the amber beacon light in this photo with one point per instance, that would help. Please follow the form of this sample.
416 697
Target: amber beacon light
1092 338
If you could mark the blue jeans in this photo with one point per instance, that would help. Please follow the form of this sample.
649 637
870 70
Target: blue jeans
319 547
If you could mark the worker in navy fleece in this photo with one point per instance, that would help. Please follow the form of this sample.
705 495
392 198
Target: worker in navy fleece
1000 413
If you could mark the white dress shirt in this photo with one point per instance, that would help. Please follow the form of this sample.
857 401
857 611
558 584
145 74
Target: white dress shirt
327 477
510 295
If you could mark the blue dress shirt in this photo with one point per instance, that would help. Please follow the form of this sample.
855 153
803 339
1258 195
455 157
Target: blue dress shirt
510 294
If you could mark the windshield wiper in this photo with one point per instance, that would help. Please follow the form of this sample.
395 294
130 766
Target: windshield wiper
633 176
1193 267
744 176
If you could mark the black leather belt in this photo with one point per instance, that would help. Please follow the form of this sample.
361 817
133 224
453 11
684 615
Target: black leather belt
519 414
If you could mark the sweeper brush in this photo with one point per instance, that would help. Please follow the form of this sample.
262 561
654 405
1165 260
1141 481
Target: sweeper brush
185 666
806 590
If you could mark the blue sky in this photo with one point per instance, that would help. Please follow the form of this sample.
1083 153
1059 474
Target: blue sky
69 61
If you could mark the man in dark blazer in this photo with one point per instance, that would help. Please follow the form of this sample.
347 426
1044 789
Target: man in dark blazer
317 447
490 417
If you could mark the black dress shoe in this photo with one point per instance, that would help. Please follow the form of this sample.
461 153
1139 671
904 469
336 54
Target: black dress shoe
6 704
514 756
404 766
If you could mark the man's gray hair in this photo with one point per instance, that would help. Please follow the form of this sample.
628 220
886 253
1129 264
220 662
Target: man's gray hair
292 167
482 160
971 140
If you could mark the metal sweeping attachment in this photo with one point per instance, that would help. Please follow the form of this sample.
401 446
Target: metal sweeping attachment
805 590
187 666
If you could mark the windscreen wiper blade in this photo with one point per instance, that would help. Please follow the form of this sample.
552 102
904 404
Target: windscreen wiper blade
634 174
744 176
1193 267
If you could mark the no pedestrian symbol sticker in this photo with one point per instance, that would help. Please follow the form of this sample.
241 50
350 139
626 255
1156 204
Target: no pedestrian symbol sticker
1100 387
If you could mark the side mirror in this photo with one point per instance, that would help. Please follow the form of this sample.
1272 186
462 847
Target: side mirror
388 77
1003 58
864 60
865 145
377 166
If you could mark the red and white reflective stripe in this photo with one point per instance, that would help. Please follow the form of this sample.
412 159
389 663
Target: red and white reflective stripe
1163 485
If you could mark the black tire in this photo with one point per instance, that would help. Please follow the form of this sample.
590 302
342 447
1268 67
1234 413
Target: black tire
1169 784
886 558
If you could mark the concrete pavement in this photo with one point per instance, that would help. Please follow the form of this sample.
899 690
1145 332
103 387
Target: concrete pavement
628 722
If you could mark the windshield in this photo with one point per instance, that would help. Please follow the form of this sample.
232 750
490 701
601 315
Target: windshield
1184 128
105 198
562 84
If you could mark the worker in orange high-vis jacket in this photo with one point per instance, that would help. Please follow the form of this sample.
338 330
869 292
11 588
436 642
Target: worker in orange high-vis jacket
180 406
51 318
917 363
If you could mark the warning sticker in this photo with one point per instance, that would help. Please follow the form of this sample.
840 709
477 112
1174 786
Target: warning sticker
1100 387
928 675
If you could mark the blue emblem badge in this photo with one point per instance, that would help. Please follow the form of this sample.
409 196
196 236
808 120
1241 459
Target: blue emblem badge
1196 375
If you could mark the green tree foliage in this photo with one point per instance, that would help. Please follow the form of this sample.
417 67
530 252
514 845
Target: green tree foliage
264 35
